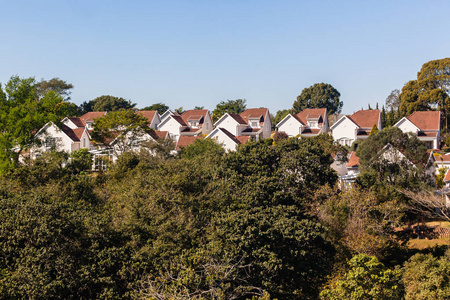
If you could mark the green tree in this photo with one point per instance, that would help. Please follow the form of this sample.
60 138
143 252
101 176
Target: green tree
159 107
110 103
366 279
430 90
230 106
201 147
121 130
374 129
57 85
81 160
319 95
22 113
427 277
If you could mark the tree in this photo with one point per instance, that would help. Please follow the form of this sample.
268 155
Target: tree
159 107
280 116
430 90
319 95
123 130
366 279
109 103
22 112
57 85
201 147
392 101
427 277
374 129
230 106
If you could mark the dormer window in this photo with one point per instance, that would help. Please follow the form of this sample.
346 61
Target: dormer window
312 124
193 123
254 124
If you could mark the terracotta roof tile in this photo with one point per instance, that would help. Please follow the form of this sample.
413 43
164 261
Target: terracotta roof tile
91 116
243 139
77 121
186 140
195 114
238 118
447 175
254 113
70 133
180 120
426 120
230 135
366 118
309 112
353 161
310 131
149 114
162 134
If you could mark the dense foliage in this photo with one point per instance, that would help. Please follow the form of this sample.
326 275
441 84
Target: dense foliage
319 95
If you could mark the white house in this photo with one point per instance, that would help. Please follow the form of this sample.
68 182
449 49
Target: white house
228 141
253 122
63 138
308 122
356 127
190 123
152 117
426 125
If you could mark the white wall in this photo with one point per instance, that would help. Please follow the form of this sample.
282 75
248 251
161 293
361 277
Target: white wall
407 126
229 124
63 142
227 143
345 129
172 126
291 126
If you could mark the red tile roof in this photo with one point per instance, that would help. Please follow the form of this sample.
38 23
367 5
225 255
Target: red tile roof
79 132
254 113
149 114
77 122
310 113
426 120
162 134
366 118
70 133
238 118
310 131
91 116
444 157
186 140
179 120
447 175
243 139
353 161
194 114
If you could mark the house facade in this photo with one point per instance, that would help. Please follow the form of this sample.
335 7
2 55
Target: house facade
253 122
426 125
152 117
225 138
190 123
356 127
309 122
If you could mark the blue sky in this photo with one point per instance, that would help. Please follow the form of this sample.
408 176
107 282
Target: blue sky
198 53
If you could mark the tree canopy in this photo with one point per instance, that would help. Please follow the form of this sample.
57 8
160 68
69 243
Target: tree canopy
159 107
319 95
430 90
57 85
107 103
230 106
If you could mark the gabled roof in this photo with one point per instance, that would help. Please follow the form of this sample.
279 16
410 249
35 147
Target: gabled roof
366 118
77 121
447 176
162 134
179 119
235 117
227 133
91 116
311 114
73 134
149 114
243 138
353 161
405 119
186 140
426 120
194 114
254 113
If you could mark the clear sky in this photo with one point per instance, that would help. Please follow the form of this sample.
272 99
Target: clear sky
198 53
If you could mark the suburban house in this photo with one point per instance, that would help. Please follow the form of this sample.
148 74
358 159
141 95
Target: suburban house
190 123
225 138
186 140
356 127
308 122
152 117
426 125
71 135
253 122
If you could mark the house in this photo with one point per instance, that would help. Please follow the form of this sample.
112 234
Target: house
152 117
60 138
352 165
253 122
426 125
88 118
355 127
190 123
308 122
225 138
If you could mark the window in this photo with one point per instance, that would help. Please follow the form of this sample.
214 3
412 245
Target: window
84 143
254 124
50 142
345 141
